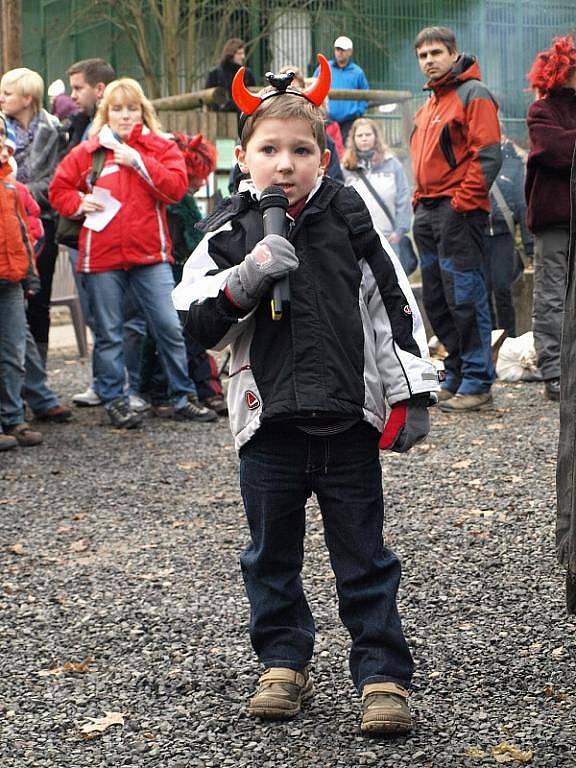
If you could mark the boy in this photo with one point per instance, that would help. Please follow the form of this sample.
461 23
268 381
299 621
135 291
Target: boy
306 399
16 266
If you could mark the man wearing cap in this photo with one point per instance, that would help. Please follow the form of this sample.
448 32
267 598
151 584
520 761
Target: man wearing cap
345 74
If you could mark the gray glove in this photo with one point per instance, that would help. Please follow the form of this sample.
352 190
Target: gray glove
407 425
271 259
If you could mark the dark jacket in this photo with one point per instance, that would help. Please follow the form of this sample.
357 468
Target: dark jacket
351 336
222 76
566 468
552 133
43 154
510 182
455 144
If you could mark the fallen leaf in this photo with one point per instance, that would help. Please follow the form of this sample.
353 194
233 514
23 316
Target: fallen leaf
475 753
101 724
79 546
495 426
17 549
191 465
69 667
507 753
558 652
464 464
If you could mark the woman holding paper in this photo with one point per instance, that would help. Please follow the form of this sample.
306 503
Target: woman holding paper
124 241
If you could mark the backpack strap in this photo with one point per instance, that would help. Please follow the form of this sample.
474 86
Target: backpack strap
98 158
361 172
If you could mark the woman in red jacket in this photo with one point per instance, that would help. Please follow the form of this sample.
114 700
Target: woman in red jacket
123 192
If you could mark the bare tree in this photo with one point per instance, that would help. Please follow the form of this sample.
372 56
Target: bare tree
174 40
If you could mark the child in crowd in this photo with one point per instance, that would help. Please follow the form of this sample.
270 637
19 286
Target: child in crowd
16 267
307 398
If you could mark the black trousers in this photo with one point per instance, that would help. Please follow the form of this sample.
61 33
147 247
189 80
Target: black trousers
38 311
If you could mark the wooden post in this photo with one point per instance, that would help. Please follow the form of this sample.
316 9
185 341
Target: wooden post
11 34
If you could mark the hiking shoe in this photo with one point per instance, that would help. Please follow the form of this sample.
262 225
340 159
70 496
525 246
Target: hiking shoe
121 415
280 693
195 411
444 394
467 403
138 404
385 710
88 399
162 410
23 433
552 389
216 403
57 413
7 442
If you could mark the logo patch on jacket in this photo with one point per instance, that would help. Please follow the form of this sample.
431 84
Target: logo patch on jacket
407 309
251 400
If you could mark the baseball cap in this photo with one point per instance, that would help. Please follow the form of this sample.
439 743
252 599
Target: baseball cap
343 42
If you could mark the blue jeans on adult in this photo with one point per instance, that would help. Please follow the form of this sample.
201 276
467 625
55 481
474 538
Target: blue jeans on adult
152 286
280 468
12 353
36 391
134 326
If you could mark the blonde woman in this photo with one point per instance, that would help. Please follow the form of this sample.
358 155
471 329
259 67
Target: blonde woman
378 177
128 161
38 139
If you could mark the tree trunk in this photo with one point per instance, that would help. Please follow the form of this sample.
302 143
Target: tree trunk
11 34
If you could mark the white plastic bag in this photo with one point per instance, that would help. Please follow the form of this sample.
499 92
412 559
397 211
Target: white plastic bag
517 359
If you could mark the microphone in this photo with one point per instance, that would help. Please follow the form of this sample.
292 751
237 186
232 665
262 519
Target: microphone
273 206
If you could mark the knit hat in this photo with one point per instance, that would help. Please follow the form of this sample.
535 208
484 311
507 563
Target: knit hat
200 157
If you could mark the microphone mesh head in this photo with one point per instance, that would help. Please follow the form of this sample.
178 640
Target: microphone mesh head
273 197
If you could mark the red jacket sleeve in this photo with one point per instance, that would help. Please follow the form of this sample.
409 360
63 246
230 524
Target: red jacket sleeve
483 140
167 170
69 181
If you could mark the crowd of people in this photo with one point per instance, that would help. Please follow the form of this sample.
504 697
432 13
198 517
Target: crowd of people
461 223
317 389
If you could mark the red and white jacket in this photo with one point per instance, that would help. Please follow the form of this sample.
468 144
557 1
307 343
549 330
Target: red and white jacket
138 234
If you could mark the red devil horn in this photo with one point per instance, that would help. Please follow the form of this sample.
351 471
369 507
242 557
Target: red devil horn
317 92
246 101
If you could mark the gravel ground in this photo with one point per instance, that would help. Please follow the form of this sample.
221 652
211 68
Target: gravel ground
120 592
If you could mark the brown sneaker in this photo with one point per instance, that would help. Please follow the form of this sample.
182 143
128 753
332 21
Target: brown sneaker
216 403
24 434
468 403
385 710
280 693
58 414
7 442
444 394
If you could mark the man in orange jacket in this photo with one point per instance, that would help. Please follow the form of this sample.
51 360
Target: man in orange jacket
456 156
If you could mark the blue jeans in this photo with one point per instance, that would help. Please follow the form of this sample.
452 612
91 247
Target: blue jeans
152 287
134 326
12 353
36 391
280 468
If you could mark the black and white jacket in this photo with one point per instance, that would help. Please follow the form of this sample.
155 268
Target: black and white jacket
353 337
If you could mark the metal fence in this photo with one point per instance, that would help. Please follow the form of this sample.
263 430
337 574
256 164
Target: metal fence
504 34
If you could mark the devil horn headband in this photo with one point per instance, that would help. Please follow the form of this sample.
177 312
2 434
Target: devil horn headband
249 102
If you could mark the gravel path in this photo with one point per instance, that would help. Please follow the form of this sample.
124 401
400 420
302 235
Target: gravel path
120 592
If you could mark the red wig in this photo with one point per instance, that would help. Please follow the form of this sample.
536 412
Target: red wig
553 68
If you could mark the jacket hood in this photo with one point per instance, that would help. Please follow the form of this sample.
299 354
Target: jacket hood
465 68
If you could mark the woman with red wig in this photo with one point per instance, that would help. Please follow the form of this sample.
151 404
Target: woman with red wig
552 133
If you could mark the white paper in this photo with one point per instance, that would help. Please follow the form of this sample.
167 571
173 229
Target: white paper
98 220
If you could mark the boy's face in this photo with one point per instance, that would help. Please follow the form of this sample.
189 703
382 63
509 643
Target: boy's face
4 152
284 153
